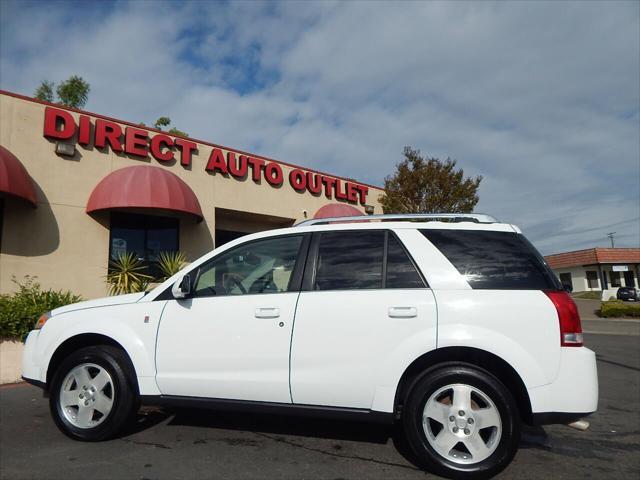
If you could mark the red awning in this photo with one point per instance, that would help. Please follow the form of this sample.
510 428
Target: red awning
143 186
337 210
14 179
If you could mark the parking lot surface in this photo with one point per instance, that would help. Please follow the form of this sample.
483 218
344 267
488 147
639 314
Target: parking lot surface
205 444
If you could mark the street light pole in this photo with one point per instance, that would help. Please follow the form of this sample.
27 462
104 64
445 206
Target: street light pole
610 235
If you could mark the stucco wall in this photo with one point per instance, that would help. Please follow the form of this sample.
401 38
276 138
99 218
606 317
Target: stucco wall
67 248
10 361
579 278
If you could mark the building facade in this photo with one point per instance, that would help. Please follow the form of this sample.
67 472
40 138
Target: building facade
77 189
596 269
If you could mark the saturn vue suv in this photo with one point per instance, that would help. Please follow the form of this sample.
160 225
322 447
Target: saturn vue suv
450 325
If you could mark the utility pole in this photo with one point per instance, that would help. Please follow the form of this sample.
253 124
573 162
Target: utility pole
610 235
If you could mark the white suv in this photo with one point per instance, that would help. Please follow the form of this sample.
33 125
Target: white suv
452 325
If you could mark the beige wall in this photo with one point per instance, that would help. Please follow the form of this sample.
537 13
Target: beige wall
10 361
67 248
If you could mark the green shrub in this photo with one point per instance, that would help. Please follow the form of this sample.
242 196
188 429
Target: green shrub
593 295
20 310
618 308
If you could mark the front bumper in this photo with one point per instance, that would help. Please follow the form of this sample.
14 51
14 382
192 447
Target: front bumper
31 372
35 383
573 394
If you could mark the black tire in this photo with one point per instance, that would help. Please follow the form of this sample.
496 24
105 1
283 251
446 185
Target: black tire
461 373
125 395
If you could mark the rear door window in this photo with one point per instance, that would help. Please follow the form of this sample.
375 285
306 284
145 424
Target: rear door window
350 260
494 260
401 272
356 260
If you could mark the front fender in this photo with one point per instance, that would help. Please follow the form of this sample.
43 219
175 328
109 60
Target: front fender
133 326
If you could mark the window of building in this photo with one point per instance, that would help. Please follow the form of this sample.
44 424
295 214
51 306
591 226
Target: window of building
615 279
628 279
592 279
494 260
144 235
263 266
401 272
565 279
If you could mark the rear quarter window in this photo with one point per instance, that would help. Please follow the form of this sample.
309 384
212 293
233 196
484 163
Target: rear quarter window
494 260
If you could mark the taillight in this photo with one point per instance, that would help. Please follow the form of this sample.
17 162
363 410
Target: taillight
569 318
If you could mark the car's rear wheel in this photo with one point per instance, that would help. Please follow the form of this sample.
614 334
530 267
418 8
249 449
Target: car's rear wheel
92 394
461 422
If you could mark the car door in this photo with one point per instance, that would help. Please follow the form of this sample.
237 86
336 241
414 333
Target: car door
230 339
363 300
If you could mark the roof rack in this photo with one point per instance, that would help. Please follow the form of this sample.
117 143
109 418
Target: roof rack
402 217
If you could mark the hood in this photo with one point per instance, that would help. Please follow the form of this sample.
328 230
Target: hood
100 302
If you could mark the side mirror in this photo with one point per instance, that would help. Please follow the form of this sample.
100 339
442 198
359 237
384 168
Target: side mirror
182 287
567 288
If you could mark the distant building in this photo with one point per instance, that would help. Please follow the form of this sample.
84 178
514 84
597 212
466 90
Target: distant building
603 269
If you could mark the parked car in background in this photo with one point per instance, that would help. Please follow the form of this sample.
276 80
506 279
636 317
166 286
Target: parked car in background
627 293
451 325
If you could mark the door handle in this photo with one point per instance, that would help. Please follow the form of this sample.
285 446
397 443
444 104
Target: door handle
403 312
267 312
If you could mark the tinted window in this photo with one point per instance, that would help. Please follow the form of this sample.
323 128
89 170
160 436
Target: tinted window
401 273
494 260
349 260
263 266
146 236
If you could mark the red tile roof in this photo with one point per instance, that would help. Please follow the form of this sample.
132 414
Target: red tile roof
593 256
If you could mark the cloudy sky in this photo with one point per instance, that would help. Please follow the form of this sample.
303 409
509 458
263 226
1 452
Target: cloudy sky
542 98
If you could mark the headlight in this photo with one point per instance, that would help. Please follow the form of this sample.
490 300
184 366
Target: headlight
42 320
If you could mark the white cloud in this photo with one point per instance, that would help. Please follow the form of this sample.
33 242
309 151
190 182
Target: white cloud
541 98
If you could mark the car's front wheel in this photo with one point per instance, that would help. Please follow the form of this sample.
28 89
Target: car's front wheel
92 395
461 422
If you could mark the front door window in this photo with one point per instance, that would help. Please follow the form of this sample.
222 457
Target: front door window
263 266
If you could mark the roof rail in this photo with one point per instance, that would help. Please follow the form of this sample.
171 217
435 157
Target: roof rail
402 217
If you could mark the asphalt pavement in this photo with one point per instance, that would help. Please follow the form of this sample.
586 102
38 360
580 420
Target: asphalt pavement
204 444
591 323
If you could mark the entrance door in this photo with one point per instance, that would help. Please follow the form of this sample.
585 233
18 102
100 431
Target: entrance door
628 279
231 338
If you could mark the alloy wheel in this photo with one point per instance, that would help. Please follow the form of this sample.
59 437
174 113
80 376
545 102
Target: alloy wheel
86 395
462 424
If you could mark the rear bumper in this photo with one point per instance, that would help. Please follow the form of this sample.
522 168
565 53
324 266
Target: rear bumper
573 394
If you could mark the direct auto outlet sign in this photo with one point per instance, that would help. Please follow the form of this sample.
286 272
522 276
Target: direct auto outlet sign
60 125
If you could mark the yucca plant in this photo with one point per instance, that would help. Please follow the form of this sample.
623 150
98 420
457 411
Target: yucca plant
170 263
126 274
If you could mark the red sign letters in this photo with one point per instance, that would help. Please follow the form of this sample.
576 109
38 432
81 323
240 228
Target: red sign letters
60 125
